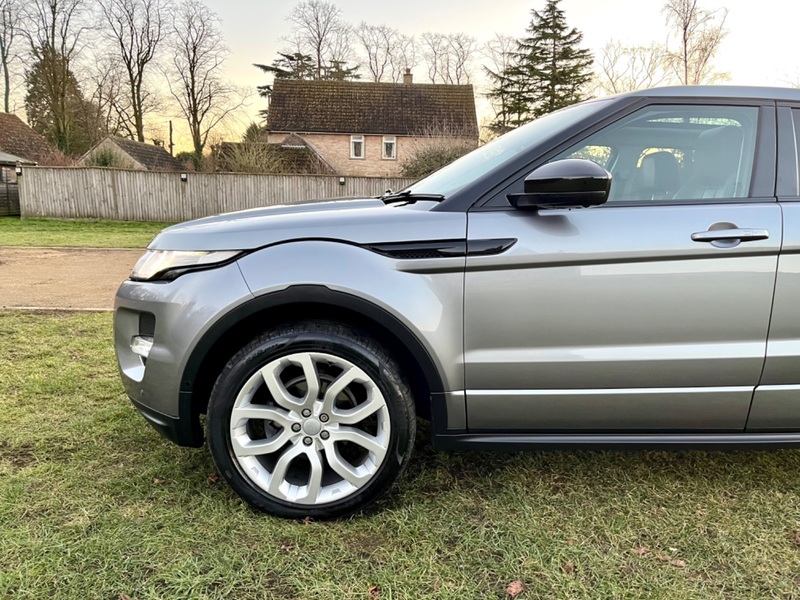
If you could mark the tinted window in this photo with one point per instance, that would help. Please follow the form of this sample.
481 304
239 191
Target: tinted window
681 152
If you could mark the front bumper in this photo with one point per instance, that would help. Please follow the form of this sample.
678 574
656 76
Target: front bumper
183 431
177 315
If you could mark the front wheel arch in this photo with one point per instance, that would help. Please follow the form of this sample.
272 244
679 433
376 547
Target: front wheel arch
302 302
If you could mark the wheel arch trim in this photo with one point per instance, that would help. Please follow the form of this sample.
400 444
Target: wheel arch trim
307 294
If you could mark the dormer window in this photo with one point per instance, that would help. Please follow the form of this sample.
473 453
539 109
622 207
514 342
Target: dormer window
389 147
356 146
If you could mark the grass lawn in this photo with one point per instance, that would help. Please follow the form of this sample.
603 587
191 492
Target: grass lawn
79 234
94 504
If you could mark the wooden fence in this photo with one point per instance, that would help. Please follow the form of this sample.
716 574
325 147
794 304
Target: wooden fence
9 199
122 195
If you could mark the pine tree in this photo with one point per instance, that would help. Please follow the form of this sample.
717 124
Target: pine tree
548 71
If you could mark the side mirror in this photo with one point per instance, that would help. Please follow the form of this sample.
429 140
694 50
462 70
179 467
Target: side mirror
568 183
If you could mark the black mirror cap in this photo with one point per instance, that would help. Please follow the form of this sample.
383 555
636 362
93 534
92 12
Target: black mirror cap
568 183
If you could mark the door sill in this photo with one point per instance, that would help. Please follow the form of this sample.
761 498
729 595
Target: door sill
649 441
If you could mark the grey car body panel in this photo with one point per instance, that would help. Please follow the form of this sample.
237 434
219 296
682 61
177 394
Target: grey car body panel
428 304
638 409
776 403
184 310
600 307
358 221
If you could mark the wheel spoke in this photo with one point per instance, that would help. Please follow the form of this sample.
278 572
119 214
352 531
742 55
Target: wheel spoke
271 375
254 411
337 387
314 479
281 467
366 441
344 469
244 446
312 380
355 415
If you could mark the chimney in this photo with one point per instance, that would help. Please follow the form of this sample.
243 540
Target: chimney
408 78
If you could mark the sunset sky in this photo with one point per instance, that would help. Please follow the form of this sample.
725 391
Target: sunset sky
761 47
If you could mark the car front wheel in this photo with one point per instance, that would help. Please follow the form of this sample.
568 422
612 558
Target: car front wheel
311 419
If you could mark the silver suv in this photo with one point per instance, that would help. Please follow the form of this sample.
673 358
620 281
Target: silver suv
625 271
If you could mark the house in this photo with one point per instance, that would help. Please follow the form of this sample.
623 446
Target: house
20 141
369 129
123 153
292 155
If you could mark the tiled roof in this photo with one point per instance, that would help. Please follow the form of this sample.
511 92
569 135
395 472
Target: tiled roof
20 140
152 157
376 108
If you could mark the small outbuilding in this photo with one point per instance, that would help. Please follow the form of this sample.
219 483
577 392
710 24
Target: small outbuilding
123 153
9 191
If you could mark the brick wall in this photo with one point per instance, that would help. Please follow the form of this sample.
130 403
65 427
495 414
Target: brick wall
335 148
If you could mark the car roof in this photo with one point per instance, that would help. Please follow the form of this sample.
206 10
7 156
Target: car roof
719 91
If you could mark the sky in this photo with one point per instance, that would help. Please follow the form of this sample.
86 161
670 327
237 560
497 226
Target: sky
760 49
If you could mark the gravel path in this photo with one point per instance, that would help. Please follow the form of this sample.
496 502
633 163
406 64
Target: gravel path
63 278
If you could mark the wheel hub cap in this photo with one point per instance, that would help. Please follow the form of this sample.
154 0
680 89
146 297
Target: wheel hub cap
312 426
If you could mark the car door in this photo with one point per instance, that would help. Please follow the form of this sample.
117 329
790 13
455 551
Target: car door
776 403
649 313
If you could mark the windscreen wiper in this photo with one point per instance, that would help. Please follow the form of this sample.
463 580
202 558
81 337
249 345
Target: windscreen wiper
388 197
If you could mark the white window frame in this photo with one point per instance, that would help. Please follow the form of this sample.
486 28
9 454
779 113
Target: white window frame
386 140
353 140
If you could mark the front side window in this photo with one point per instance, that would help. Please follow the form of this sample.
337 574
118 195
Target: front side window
503 150
356 146
681 152
389 147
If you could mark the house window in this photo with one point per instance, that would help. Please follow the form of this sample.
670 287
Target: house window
389 147
356 146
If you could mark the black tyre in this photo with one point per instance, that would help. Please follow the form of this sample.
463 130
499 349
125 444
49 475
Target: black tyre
311 419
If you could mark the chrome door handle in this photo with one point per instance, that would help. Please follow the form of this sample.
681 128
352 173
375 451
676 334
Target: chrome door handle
730 235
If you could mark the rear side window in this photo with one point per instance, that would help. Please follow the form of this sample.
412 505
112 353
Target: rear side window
682 152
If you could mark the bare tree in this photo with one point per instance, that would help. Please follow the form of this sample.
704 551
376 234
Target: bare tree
55 30
388 52
320 32
404 56
448 56
621 68
195 73
10 17
55 25
377 42
136 29
109 93
434 51
699 33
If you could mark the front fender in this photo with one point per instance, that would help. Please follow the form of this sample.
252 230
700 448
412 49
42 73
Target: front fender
424 297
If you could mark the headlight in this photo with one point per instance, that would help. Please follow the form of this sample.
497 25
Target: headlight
165 265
